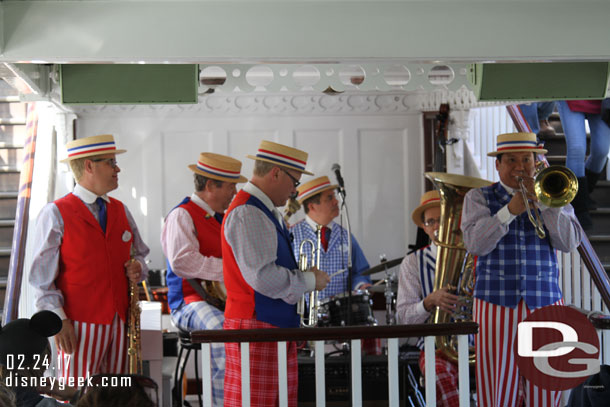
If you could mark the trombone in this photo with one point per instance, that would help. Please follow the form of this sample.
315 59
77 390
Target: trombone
311 320
554 186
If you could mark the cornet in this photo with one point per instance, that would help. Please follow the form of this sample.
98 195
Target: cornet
311 320
555 186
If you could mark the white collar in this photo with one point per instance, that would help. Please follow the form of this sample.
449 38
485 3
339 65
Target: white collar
314 224
87 196
255 191
202 204
508 189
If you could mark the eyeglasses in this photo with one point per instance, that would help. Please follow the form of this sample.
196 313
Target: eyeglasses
294 180
432 222
111 161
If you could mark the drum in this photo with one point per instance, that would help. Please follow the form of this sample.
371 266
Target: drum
333 311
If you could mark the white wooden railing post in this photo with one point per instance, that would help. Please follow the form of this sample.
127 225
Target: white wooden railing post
320 375
463 371
245 374
206 374
430 367
393 390
356 373
282 375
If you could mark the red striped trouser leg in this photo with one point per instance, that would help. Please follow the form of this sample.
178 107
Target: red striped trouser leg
534 395
496 370
115 357
498 381
447 394
91 339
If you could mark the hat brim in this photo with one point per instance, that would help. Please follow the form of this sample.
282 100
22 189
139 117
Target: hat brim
326 188
280 165
416 215
518 150
92 154
241 178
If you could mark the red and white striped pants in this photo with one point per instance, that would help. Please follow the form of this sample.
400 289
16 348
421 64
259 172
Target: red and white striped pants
100 348
499 383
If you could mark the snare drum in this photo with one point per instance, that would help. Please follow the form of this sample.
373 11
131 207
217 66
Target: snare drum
333 311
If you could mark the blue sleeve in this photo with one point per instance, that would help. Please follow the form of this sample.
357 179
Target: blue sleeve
359 265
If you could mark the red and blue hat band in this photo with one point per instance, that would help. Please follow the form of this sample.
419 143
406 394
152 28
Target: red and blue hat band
314 189
513 145
217 171
92 148
281 159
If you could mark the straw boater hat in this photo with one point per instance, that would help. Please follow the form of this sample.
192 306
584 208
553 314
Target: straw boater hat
517 142
314 187
428 200
282 155
90 146
218 167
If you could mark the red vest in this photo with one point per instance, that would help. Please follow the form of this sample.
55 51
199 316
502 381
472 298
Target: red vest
91 273
208 235
240 296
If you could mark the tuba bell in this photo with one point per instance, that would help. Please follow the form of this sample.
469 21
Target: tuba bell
454 267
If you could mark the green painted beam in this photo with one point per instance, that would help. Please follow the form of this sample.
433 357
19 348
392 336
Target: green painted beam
128 84
542 81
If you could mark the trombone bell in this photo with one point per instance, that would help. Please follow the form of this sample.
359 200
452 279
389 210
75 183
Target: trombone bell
556 186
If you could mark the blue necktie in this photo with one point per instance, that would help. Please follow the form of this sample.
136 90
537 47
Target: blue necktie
101 213
219 217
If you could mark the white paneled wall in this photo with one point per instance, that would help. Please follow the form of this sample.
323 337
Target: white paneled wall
485 123
380 157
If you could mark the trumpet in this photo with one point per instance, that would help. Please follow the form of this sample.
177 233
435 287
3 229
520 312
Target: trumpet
554 186
311 320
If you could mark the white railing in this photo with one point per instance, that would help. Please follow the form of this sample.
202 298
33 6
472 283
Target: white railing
579 289
354 335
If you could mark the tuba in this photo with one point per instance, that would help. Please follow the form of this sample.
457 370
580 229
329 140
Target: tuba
454 267
310 320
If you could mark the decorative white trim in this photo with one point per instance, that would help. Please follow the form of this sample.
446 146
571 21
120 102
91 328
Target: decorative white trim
269 104
460 99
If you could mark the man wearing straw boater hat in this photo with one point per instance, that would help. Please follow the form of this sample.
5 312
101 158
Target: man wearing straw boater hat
319 201
516 270
417 298
191 243
87 246
261 274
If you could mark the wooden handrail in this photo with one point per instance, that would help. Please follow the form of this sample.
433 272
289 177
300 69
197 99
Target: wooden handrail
595 267
330 333
22 217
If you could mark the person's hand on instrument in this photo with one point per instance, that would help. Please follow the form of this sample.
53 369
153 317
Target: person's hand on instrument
322 279
442 298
